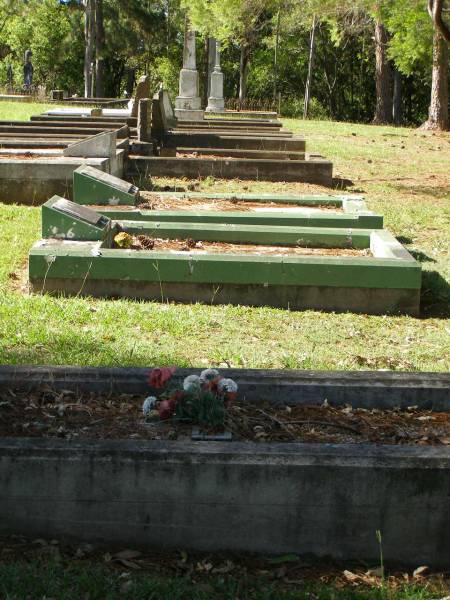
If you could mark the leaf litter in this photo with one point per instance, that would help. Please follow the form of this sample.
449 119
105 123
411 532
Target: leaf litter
61 414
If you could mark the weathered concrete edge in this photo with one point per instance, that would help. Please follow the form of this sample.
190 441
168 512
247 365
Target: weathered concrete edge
261 498
365 389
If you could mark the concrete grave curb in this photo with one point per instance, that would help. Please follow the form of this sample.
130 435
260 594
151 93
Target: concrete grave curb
276 498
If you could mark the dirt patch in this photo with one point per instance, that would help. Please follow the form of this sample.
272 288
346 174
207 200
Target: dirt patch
200 247
157 202
18 277
50 414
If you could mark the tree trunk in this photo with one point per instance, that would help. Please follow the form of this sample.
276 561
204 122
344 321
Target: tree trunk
397 112
243 72
99 50
89 46
383 77
275 57
310 68
438 111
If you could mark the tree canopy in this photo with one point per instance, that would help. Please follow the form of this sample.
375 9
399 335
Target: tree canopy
265 46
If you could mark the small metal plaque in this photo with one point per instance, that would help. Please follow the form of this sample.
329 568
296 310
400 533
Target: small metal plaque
80 212
200 436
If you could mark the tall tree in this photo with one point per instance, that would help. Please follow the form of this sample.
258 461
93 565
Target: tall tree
312 40
243 22
99 50
89 35
438 111
383 76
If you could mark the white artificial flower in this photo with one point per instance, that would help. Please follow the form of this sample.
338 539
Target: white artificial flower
149 405
192 383
209 375
227 386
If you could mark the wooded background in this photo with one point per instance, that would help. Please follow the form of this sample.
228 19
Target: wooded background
359 61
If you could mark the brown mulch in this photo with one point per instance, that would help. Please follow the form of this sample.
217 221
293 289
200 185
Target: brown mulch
152 201
198 247
63 415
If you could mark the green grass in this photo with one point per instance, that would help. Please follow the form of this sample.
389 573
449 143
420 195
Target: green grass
404 175
22 111
37 581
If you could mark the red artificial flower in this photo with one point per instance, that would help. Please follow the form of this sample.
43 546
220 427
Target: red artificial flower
211 385
230 399
158 378
166 409
177 396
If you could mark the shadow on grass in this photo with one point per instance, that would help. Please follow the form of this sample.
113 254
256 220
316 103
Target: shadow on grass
339 183
405 240
421 256
435 297
440 192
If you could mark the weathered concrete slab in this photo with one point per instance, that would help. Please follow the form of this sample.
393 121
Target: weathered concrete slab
308 171
236 153
210 496
102 145
69 129
360 389
34 181
204 140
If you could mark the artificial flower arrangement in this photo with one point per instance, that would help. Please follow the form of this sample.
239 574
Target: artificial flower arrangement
204 399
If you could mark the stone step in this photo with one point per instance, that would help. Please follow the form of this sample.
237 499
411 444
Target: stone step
205 140
63 122
228 124
122 132
131 121
236 153
316 171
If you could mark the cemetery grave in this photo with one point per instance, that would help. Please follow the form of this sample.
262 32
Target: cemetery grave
37 158
273 258
350 453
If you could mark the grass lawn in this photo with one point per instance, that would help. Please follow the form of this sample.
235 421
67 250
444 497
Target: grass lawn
65 581
403 173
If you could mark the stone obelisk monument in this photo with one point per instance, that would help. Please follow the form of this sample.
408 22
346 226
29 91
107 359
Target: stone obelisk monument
216 102
188 102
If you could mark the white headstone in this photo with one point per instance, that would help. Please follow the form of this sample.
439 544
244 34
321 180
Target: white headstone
188 103
216 102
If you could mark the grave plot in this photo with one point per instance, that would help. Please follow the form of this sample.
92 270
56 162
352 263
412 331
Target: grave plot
313 463
37 159
119 200
85 252
244 149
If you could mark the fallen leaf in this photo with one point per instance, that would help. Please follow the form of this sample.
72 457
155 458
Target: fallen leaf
379 572
420 571
351 576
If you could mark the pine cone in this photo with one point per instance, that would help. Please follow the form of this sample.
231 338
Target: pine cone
146 242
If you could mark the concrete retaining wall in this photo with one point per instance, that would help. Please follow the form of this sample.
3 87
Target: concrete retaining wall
360 389
263 498
375 301
319 499
35 181
309 171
